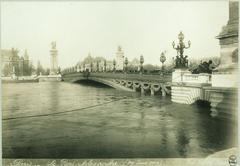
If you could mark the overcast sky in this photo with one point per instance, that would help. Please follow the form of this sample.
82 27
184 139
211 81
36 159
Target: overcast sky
140 27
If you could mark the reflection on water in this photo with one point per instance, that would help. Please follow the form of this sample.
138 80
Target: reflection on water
182 142
105 123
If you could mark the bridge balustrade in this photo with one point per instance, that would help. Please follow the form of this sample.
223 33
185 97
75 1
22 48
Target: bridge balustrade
197 78
124 76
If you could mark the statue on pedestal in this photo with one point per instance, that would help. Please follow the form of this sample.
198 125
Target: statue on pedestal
204 67
53 45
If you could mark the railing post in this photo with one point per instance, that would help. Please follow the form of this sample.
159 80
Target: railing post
142 90
163 91
134 88
152 91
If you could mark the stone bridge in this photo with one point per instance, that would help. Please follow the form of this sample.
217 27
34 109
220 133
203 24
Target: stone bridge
144 83
184 87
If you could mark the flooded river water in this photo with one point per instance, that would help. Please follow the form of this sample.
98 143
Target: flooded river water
65 120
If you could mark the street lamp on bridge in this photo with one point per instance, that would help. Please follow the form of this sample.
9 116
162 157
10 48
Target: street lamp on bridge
141 64
83 66
126 63
91 67
114 65
105 65
163 59
97 66
181 60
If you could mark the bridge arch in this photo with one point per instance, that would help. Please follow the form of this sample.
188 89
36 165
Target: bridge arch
107 82
92 83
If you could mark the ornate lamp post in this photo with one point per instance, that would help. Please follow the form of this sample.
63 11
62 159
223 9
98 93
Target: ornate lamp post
83 66
97 66
141 64
126 63
105 65
91 66
162 59
59 70
181 60
114 65
13 72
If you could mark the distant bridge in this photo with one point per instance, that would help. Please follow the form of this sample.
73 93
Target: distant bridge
144 83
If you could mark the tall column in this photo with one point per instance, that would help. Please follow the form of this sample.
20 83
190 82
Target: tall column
119 59
54 61
228 40
226 73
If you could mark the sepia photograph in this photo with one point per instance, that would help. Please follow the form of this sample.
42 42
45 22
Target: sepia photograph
119 83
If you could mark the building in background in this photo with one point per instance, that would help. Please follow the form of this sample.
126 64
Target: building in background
134 65
94 64
13 64
109 66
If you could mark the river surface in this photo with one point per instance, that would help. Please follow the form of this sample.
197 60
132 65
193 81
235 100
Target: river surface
65 120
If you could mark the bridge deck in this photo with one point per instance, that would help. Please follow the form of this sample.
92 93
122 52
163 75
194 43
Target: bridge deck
124 76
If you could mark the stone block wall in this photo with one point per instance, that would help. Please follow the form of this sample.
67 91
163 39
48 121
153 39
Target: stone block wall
185 95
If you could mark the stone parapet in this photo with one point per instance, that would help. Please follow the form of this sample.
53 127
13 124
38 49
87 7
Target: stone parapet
226 80
183 76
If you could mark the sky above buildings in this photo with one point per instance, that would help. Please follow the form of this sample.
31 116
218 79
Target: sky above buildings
99 27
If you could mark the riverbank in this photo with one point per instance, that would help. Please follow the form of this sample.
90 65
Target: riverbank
19 81
220 158
224 153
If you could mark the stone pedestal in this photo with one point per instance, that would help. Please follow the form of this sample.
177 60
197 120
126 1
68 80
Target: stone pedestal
187 87
180 75
177 75
54 65
223 101
223 93
225 80
226 73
